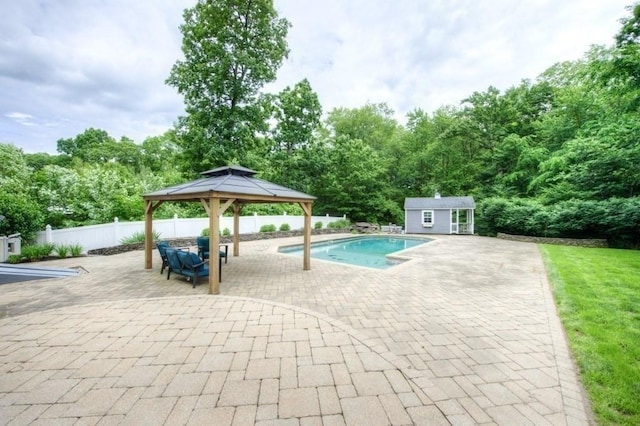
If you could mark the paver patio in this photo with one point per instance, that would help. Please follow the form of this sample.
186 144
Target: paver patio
466 332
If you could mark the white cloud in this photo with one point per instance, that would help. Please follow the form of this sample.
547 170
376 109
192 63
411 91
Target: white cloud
73 64
19 117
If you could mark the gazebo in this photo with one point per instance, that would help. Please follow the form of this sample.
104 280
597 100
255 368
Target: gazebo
217 190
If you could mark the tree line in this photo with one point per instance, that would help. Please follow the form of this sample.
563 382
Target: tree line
558 156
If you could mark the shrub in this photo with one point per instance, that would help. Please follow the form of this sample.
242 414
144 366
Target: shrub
225 232
76 249
62 250
138 237
490 211
46 249
339 224
14 258
268 228
285 227
616 219
317 225
37 252
22 215
30 253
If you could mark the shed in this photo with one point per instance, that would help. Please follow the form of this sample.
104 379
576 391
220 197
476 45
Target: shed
439 215
217 190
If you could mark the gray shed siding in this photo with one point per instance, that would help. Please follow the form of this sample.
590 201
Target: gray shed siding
443 208
441 222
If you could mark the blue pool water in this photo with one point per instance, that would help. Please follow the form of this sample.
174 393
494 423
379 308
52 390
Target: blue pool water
362 251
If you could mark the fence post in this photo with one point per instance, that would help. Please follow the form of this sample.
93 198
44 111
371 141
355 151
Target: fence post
175 225
116 231
256 225
48 235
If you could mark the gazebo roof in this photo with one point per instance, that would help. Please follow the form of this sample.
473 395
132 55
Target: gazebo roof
228 182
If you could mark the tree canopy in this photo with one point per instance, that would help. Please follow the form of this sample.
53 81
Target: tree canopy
231 49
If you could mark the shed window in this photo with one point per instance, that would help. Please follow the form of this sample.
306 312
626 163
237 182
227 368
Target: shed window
427 218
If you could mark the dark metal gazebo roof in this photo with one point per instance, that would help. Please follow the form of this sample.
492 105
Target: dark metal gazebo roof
230 182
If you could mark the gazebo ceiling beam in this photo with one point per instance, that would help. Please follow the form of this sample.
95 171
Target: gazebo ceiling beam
150 207
205 204
223 207
226 205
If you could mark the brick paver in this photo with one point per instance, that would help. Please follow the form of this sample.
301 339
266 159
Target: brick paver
464 332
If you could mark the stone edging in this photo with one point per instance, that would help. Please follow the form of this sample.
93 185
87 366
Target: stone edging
592 242
191 241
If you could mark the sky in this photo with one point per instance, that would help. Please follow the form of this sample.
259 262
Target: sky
68 65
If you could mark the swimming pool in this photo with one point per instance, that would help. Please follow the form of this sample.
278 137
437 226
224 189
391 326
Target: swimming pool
362 251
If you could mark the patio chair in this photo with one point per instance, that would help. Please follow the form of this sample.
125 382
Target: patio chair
173 263
203 249
188 264
193 267
162 247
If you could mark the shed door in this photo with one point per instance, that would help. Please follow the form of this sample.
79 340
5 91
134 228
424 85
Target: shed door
454 221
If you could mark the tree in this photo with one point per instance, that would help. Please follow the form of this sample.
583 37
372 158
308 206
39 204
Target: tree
373 124
625 69
86 146
56 190
159 153
630 32
21 215
354 183
14 173
297 112
96 146
38 160
231 49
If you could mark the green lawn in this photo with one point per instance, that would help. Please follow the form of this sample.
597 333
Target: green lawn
598 296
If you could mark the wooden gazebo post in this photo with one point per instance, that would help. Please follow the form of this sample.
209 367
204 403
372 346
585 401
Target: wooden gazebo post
214 242
306 258
149 207
237 209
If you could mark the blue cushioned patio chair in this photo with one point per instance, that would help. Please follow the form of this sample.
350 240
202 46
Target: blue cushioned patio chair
193 266
162 246
203 249
189 265
173 263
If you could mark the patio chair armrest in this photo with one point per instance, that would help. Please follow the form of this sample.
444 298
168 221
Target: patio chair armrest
197 265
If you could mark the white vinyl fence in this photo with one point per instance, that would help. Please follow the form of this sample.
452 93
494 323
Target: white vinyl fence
110 234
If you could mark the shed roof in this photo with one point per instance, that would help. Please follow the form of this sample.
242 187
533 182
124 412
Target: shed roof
230 182
439 203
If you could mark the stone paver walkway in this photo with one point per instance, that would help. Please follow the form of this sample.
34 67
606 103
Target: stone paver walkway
466 332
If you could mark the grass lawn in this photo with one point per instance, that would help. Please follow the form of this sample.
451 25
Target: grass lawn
598 296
